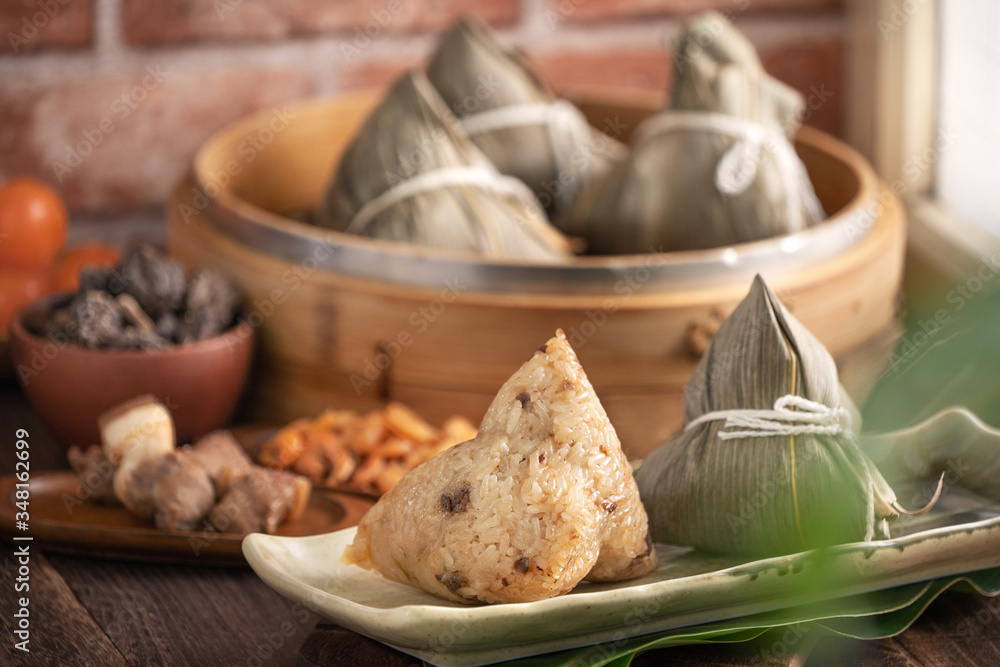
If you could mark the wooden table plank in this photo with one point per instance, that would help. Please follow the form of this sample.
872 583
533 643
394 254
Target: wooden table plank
62 630
15 413
175 614
330 644
957 629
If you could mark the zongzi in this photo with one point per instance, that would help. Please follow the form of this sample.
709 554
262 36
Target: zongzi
412 175
542 498
715 168
768 461
515 119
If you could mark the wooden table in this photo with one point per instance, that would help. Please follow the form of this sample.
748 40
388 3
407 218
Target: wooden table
90 611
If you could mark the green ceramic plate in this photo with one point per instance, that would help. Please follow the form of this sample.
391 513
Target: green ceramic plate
688 589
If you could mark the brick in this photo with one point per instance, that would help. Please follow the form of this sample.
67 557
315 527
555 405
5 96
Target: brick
177 21
32 25
645 69
121 142
565 70
377 73
592 11
814 67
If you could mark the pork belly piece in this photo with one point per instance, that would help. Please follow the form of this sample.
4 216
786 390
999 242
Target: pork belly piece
222 457
172 489
132 432
260 500
178 488
95 473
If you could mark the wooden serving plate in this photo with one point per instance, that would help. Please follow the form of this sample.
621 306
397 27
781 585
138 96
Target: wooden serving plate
63 519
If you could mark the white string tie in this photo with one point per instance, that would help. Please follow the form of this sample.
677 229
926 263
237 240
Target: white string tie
792 415
568 131
520 115
475 176
807 417
737 168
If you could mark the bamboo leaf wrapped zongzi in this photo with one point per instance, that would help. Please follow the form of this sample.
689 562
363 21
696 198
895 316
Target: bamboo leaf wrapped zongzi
715 168
515 119
412 175
767 462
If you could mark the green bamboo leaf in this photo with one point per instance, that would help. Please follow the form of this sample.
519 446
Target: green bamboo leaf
940 363
870 616
896 621
621 652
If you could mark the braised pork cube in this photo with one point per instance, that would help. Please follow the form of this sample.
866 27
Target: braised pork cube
222 457
94 473
260 500
172 489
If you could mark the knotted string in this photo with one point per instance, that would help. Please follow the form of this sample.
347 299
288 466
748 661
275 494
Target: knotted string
807 417
737 168
568 131
476 176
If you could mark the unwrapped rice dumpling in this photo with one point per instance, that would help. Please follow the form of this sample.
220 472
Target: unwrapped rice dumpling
542 498
715 168
412 175
767 462
515 119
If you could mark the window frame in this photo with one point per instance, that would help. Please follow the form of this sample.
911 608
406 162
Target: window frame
891 117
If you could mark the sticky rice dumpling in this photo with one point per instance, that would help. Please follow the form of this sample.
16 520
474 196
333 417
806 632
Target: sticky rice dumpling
513 117
767 462
542 498
715 168
412 175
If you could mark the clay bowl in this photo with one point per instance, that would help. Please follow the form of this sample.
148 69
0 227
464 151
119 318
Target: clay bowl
69 386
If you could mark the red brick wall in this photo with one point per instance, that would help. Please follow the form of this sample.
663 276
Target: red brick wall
109 99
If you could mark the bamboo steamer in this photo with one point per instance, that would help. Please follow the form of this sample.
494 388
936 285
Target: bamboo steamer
351 322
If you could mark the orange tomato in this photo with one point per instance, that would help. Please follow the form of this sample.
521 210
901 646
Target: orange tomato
66 272
18 289
32 225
